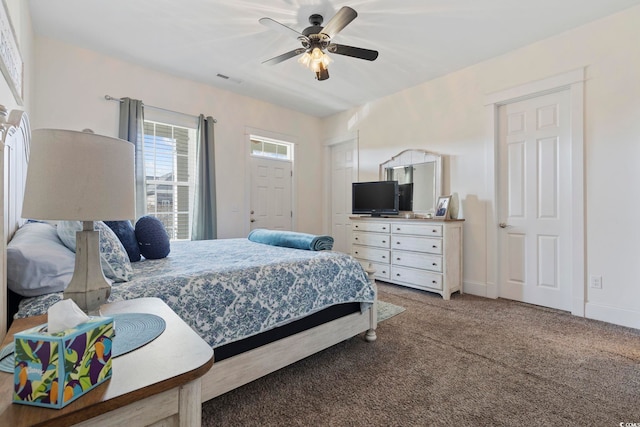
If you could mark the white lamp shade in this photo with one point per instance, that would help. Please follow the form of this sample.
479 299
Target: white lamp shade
79 176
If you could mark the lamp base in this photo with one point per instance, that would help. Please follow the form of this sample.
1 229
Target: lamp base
88 288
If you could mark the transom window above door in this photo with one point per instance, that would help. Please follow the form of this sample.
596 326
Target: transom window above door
264 147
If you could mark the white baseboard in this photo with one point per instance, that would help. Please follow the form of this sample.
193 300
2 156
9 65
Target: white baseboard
614 315
617 316
480 289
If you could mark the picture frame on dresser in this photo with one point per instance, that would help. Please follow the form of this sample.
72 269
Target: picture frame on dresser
442 207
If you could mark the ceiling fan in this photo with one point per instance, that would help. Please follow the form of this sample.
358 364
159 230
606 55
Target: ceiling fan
316 39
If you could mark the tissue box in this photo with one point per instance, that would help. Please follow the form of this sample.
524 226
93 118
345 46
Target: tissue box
52 370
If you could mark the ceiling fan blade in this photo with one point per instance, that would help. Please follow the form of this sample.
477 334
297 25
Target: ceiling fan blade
282 29
340 20
278 59
355 52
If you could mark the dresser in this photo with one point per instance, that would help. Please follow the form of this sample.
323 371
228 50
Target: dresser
419 253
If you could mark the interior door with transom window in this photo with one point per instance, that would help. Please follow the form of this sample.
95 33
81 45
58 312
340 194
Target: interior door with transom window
271 204
534 189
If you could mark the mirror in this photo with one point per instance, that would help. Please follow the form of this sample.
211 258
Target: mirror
418 171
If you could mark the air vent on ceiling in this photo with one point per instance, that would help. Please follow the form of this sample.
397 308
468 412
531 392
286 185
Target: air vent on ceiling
222 76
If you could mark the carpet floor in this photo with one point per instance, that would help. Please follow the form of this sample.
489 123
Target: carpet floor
470 361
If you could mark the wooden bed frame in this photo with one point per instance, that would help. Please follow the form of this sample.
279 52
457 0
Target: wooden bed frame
225 375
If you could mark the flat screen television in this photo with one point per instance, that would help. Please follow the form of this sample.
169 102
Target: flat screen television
375 198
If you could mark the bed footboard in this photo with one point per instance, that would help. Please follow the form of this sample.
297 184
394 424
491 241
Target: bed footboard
243 368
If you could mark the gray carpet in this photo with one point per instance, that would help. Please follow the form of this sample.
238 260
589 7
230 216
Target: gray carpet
469 361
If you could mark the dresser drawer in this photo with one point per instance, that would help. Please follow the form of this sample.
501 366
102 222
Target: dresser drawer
370 254
376 227
421 278
417 260
417 229
371 239
418 244
383 271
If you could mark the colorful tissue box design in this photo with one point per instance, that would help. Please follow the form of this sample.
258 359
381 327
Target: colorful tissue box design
53 370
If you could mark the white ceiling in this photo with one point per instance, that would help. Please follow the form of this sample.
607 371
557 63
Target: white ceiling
418 40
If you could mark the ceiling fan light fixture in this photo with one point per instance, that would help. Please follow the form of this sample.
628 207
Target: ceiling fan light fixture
316 39
322 73
317 61
305 59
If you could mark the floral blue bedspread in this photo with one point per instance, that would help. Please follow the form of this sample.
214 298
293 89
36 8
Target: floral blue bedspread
229 289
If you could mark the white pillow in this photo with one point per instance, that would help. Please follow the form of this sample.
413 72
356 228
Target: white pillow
113 257
37 261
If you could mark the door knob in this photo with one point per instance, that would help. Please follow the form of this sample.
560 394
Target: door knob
253 220
504 225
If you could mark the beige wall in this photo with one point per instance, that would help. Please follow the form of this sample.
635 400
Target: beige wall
70 86
448 116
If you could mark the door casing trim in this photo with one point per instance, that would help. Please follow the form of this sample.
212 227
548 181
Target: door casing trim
574 82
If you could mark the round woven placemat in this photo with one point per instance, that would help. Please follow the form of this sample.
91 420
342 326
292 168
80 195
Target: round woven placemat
132 331
6 358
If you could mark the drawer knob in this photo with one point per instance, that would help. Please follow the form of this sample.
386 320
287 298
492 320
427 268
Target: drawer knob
434 282
434 246
435 263
355 238
384 257
434 231
384 272
356 252
384 241
398 274
398 229
398 259
397 243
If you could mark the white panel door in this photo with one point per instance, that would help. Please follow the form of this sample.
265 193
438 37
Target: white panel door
343 173
535 201
271 194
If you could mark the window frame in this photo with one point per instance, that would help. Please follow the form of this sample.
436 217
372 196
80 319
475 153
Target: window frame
171 219
277 143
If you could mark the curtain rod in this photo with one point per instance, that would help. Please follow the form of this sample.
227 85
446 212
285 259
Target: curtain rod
111 98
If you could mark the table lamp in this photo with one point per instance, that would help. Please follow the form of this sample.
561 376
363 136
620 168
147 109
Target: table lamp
81 176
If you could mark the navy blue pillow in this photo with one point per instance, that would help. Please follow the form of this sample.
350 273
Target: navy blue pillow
124 231
153 239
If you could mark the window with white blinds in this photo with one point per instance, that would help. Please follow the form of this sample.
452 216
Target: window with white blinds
169 158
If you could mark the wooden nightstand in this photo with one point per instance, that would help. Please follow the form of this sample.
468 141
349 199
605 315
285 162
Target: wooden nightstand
157 383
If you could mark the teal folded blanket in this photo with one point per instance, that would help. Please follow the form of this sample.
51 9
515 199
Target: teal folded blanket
291 239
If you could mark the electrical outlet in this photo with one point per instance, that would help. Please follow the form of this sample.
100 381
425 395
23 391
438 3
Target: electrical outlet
596 282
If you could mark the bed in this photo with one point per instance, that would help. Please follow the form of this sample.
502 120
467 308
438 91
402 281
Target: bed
298 302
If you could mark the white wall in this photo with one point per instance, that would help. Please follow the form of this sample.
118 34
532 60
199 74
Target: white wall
70 85
448 116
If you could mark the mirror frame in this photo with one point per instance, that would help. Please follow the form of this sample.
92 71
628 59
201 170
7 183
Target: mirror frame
413 157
